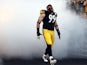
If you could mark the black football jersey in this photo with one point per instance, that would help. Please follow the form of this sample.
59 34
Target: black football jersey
49 20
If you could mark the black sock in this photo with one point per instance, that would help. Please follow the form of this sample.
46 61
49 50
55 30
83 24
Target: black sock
48 50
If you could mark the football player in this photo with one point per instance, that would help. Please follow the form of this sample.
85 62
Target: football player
48 17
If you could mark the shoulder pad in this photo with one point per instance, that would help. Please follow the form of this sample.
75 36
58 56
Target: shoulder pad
42 11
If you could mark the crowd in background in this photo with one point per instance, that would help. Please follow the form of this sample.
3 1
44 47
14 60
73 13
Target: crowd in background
79 6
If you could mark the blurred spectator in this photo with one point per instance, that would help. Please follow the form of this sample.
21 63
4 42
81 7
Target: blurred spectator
73 4
81 6
85 8
78 6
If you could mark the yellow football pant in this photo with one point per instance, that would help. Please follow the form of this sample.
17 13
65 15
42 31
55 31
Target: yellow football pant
48 36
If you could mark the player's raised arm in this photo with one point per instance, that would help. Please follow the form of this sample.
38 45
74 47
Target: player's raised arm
41 17
57 28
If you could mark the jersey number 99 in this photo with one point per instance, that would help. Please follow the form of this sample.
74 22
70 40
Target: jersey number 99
52 18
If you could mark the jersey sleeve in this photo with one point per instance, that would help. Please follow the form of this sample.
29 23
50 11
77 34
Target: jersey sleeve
42 11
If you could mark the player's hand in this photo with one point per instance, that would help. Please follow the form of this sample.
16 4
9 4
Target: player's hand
38 35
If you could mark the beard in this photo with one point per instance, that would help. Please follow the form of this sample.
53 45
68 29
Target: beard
50 10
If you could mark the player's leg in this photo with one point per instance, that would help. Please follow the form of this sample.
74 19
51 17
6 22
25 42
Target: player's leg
47 38
51 58
48 51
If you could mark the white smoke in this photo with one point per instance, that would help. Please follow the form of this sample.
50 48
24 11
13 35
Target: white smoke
18 29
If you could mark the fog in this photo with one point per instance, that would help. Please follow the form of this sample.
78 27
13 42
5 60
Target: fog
18 30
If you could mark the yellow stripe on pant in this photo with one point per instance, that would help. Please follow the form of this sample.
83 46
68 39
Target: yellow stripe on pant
48 36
